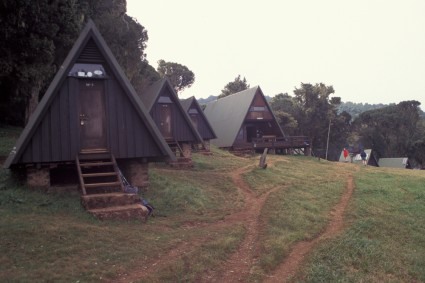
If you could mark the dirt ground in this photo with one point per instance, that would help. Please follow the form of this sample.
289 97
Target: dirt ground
239 264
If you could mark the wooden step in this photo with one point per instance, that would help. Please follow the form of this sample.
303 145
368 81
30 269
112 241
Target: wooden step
94 201
92 164
134 211
106 184
90 175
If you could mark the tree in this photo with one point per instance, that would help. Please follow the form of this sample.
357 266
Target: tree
179 76
35 36
233 87
314 110
283 107
391 131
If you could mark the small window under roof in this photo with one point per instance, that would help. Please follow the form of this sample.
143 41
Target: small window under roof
164 99
87 71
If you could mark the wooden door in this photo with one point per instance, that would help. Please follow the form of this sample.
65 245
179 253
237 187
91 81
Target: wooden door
194 118
165 121
92 117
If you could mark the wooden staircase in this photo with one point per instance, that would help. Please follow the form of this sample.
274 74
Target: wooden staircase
103 190
182 161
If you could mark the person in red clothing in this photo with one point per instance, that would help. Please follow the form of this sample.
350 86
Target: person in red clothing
345 153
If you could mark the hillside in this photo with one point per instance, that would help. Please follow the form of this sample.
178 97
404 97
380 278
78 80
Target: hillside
227 220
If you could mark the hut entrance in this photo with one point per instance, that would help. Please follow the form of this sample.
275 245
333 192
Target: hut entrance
165 121
92 116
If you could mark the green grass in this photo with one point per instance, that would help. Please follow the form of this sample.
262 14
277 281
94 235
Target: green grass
8 137
49 237
385 239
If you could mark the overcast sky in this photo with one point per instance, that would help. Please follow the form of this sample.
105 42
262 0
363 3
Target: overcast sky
370 51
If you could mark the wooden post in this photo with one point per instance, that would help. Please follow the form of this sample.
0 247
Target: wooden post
263 163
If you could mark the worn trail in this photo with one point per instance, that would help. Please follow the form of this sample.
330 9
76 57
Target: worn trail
291 264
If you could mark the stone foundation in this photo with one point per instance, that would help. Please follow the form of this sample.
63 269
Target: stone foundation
187 150
137 173
207 145
38 178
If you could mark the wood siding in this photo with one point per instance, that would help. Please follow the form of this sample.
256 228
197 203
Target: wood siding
180 129
128 135
56 138
202 124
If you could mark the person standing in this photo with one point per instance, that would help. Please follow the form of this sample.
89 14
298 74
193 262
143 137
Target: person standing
345 153
363 155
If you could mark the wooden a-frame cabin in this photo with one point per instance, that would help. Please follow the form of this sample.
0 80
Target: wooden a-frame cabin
171 119
244 121
89 123
199 120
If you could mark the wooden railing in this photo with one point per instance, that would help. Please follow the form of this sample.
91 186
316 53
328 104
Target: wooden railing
276 142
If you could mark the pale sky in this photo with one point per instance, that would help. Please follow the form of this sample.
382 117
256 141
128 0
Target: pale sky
370 51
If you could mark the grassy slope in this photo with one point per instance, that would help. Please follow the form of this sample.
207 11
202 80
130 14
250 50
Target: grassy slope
44 233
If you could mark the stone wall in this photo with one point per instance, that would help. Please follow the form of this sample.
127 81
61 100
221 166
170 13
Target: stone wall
38 178
136 172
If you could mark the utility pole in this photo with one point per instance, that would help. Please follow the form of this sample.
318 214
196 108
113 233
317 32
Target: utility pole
327 141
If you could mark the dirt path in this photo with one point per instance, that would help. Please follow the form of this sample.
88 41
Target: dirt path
288 268
237 268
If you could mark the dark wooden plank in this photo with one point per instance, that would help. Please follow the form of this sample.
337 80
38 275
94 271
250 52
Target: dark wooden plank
129 118
74 138
121 134
64 137
36 146
55 129
45 138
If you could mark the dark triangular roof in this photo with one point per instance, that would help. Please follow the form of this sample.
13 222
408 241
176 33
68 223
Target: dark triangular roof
89 33
187 104
226 115
150 96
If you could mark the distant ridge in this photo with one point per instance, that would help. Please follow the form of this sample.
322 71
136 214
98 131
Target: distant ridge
354 109
214 97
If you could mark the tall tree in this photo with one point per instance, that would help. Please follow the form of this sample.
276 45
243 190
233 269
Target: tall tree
314 111
34 37
233 87
179 75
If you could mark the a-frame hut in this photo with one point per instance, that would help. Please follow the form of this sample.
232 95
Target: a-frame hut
89 114
172 120
245 121
395 162
199 120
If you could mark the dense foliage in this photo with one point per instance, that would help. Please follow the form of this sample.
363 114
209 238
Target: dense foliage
179 75
314 113
37 35
395 130
235 86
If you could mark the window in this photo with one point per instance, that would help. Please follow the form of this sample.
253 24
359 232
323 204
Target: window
258 109
164 99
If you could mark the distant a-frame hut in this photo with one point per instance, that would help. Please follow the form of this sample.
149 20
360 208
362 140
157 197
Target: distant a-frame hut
172 120
245 121
199 120
89 113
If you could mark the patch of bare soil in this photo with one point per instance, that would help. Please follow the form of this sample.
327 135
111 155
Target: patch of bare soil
239 264
288 268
